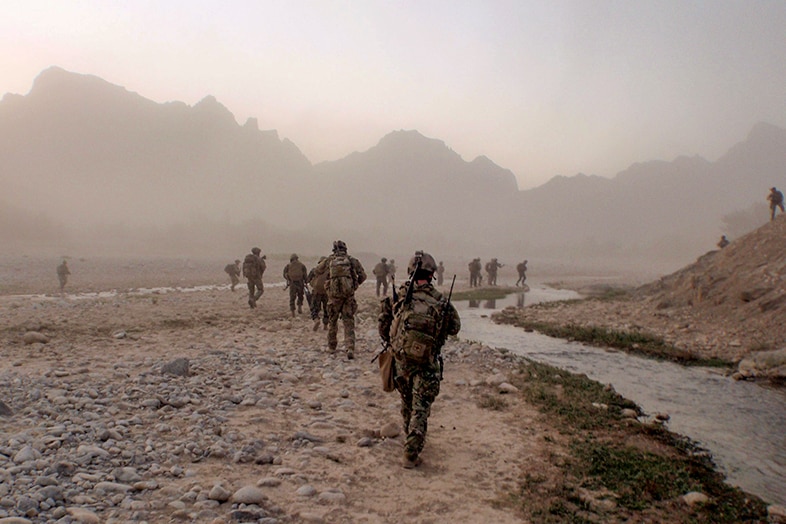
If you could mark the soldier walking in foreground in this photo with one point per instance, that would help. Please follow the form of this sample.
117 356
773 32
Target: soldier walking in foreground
776 201
233 270
62 274
319 300
381 272
416 327
295 275
253 268
344 274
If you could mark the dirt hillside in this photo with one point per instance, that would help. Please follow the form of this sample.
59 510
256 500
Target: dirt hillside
728 305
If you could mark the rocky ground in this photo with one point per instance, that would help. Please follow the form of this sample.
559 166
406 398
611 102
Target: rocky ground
188 406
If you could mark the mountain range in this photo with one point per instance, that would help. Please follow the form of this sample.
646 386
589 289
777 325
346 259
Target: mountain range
84 163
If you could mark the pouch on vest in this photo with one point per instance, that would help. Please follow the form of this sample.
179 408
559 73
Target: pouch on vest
341 283
416 330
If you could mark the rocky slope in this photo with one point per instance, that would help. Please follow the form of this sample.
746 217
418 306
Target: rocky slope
729 304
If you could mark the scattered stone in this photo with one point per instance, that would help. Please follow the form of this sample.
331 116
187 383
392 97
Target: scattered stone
34 337
694 497
506 387
249 495
219 493
5 411
178 367
306 490
390 430
776 514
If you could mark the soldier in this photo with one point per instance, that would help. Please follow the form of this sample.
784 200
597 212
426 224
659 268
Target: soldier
474 272
381 272
416 327
62 274
440 273
295 274
776 201
723 242
233 270
522 270
253 268
318 296
392 271
491 269
344 274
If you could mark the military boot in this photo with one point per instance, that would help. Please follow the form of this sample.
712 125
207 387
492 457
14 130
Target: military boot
316 325
410 461
293 313
300 310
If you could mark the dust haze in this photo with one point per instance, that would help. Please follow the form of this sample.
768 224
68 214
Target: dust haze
91 169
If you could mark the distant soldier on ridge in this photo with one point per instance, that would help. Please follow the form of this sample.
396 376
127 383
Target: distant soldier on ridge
723 242
440 273
776 201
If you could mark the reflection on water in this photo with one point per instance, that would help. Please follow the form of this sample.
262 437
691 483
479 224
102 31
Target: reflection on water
742 424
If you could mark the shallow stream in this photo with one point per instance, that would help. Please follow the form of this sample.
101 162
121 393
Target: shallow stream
742 424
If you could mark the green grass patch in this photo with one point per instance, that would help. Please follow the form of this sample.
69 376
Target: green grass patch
637 342
492 402
482 293
638 471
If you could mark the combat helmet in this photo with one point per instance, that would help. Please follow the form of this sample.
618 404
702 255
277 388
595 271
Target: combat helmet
425 261
293 257
384 259
339 245
237 261
256 250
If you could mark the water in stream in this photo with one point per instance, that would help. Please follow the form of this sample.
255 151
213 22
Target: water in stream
742 424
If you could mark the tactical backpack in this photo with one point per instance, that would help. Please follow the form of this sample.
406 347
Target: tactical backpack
342 280
250 266
415 329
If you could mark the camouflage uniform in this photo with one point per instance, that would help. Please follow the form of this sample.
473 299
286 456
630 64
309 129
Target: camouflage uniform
392 271
233 270
343 306
417 383
522 270
62 274
295 274
474 273
319 300
253 268
776 201
491 268
381 272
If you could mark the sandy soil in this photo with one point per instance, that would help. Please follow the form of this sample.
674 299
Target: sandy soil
265 407
473 457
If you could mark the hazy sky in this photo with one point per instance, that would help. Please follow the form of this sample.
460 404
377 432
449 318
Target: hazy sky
553 87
